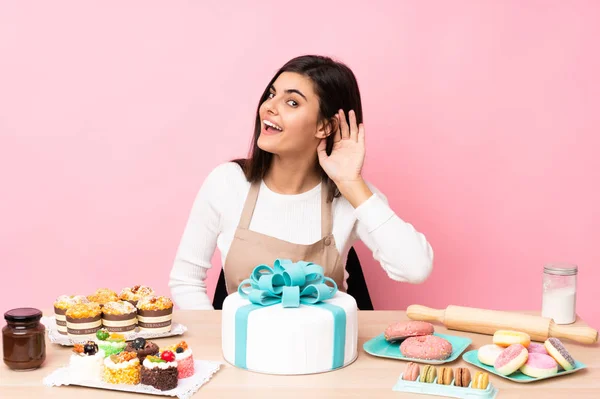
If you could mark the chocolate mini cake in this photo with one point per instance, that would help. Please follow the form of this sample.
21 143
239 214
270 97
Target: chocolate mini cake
160 372
142 347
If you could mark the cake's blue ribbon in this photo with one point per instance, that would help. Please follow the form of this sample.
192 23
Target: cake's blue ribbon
289 284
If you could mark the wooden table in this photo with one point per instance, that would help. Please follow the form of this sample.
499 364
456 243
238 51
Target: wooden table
368 377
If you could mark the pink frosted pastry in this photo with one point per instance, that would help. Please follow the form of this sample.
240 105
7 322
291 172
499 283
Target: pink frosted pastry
412 372
428 347
539 365
537 348
511 359
404 329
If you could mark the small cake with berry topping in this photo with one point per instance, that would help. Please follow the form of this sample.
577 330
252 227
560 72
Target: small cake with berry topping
110 343
103 295
120 316
155 314
160 371
142 347
135 293
61 305
123 368
185 360
86 362
83 320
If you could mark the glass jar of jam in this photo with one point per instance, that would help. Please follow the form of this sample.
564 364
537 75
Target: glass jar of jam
23 339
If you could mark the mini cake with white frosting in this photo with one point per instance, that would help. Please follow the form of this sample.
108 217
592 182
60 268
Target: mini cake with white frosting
185 360
86 362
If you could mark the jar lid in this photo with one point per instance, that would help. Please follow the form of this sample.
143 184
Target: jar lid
23 315
561 269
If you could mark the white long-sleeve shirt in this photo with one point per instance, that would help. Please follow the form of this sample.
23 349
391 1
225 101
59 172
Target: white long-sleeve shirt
403 252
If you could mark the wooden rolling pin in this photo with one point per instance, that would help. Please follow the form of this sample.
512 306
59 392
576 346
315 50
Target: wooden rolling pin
486 321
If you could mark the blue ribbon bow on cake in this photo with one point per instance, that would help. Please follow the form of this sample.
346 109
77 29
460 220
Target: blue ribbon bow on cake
289 284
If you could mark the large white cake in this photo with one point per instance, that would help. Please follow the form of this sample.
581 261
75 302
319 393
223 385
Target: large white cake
297 340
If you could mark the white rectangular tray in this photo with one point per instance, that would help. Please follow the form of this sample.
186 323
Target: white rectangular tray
186 387
61 339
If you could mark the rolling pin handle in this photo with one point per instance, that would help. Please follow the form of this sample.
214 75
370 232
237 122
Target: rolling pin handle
581 334
419 312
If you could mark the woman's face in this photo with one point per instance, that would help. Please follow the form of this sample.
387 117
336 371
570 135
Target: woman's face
290 116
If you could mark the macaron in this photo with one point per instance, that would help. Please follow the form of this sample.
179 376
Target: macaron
511 359
445 376
412 372
462 377
428 375
480 380
506 338
404 329
557 350
427 347
488 354
537 348
539 365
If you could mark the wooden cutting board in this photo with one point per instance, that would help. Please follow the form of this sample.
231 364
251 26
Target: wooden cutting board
485 321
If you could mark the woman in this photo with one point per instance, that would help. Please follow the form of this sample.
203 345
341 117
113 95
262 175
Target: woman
300 195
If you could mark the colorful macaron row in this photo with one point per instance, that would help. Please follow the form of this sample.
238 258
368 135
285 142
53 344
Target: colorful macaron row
417 340
513 351
459 377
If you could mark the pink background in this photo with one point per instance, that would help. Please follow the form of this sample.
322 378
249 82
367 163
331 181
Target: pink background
481 117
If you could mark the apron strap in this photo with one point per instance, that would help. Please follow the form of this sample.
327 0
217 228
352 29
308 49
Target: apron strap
249 205
326 216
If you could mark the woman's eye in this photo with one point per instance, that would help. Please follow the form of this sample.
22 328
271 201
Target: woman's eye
293 103
271 95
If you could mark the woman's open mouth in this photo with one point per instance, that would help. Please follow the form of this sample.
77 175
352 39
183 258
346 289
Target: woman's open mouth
271 128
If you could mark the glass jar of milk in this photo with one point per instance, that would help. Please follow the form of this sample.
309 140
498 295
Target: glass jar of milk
559 292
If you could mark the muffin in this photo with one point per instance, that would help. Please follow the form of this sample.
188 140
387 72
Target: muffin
110 343
185 360
86 362
123 368
119 316
83 320
155 314
142 347
61 305
135 293
102 296
160 371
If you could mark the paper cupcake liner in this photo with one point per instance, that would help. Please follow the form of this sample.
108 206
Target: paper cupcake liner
86 326
120 323
61 320
155 320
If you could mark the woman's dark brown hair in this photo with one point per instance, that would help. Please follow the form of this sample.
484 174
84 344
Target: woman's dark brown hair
336 87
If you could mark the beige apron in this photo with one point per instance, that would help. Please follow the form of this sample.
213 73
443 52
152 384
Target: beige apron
250 249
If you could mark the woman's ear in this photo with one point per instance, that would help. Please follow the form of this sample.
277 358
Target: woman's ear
326 128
